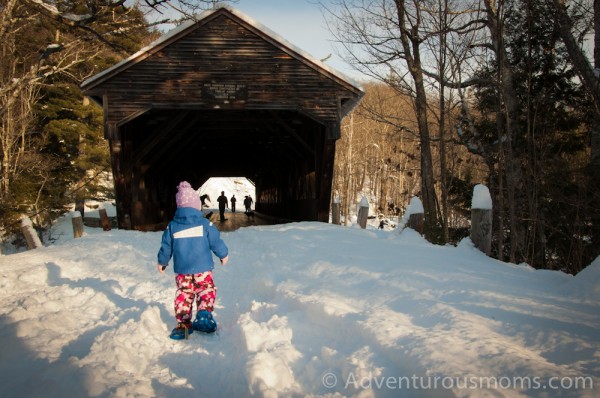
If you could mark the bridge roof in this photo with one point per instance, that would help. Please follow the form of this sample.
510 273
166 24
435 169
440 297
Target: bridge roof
177 32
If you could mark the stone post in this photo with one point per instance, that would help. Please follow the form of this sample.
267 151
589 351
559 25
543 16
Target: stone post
481 219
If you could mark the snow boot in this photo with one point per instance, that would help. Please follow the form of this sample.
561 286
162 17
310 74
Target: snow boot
182 331
204 322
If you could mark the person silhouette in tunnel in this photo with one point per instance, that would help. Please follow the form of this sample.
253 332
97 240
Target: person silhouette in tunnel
233 200
223 203
203 199
248 203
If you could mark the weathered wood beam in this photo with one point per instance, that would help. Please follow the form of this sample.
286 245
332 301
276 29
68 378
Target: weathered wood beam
165 129
180 139
290 130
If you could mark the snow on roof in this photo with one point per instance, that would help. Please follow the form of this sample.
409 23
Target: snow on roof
250 21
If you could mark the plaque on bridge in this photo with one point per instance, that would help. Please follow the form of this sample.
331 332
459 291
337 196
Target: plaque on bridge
225 92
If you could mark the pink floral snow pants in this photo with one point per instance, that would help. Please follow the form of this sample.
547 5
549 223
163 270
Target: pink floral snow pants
198 287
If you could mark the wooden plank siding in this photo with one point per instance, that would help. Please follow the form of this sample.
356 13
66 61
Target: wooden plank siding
222 51
222 88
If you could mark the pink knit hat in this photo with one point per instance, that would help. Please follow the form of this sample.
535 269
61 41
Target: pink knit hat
187 197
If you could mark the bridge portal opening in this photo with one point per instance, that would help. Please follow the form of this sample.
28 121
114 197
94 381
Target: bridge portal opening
233 187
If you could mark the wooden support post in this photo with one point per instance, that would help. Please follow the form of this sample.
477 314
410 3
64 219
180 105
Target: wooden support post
77 221
363 213
335 211
416 215
481 219
416 221
31 236
104 221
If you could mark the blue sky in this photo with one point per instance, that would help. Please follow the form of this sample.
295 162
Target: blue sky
298 21
301 23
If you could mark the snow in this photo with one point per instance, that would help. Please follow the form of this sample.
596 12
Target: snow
415 206
53 10
481 198
586 285
304 309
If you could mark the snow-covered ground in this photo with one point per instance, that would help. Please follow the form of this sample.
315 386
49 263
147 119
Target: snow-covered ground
304 309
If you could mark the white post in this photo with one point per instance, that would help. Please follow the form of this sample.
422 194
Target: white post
481 219
32 238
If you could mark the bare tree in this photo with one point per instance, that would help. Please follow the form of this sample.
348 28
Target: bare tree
377 155
389 39
573 37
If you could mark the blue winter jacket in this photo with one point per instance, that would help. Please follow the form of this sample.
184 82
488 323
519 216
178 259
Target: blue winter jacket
189 239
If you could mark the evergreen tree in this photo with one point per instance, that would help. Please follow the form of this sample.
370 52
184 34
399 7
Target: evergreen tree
52 144
551 148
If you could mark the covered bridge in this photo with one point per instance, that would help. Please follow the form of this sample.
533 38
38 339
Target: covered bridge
222 96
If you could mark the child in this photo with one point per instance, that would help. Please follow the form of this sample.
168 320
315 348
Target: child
189 239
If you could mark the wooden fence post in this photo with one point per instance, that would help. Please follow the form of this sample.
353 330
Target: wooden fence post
104 221
32 238
416 215
416 221
77 221
363 213
335 211
481 219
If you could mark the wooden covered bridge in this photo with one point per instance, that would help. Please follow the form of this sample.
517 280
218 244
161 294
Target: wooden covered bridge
222 96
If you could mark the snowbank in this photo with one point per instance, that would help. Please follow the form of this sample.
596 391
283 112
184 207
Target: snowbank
586 284
304 309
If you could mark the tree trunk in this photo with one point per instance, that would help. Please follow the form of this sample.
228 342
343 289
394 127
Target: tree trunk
595 153
511 129
590 77
410 44
590 80
347 199
442 68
